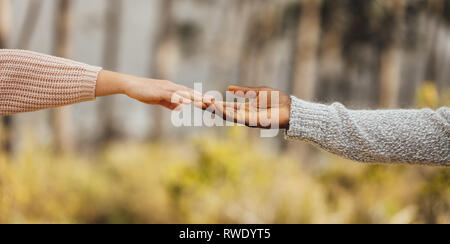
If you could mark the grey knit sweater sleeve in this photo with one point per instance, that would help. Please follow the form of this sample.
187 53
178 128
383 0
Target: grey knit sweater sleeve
382 136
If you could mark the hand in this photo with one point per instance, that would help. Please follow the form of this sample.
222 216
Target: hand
154 92
162 92
266 108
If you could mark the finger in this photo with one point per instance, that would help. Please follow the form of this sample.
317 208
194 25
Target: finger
247 115
194 95
269 118
189 94
234 105
219 108
244 113
231 111
248 89
237 106
241 113
248 107
179 98
246 95
202 105
244 92
243 88
251 92
269 99
172 106
263 99
208 99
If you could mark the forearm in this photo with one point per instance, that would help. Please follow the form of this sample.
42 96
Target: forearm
31 81
391 136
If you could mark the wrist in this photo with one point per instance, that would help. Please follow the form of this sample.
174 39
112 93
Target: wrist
285 115
124 83
112 83
288 114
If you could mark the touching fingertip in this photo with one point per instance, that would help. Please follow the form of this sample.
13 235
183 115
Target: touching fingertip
208 99
198 105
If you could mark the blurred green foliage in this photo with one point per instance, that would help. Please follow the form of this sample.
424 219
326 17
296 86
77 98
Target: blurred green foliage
214 179
428 96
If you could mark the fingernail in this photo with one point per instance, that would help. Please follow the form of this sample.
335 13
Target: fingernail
199 105
187 101
209 99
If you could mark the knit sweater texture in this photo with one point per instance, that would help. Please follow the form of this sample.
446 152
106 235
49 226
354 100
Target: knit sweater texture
31 81
381 136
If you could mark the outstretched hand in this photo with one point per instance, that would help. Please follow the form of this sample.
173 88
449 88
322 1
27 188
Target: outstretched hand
149 91
265 108
162 92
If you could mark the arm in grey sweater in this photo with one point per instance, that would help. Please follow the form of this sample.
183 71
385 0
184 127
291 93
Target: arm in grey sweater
388 136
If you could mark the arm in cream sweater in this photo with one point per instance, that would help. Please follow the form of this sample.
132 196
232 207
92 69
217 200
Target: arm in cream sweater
31 81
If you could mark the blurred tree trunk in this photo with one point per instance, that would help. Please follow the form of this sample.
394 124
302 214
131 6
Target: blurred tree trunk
331 59
435 11
62 116
5 23
111 47
308 36
164 51
247 54
391 56
227 11
31 18
422 49
306 55
260 32
32 15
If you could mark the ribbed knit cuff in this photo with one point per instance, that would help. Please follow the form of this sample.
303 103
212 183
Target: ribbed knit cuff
308 121
88 82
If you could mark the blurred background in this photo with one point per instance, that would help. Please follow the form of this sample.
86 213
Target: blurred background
117 161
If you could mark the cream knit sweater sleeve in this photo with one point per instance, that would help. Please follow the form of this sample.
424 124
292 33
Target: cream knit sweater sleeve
382 136
31 81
